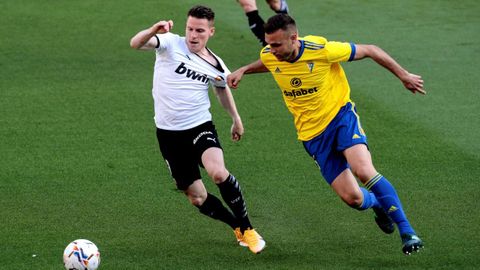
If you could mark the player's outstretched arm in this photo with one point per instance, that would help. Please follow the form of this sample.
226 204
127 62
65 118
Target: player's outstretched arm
144 39
412 82
225 98
234 78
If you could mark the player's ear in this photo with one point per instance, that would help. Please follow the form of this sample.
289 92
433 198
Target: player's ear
212 30
294 36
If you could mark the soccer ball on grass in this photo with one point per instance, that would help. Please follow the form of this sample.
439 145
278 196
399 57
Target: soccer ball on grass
81 254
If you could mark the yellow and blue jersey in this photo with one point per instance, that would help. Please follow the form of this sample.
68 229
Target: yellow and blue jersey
314 85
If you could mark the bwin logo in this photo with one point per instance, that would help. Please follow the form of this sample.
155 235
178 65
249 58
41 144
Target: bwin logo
192 74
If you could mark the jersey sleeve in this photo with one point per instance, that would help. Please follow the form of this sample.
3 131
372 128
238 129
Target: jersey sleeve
164 41
339 51
264 52
264 57
220 80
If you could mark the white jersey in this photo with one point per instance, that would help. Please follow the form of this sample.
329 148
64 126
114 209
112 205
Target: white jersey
180 84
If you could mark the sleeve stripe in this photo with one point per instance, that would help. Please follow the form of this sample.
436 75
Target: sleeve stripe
352 54
313 45
158 42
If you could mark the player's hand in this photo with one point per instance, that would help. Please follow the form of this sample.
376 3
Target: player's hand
162 27
414 83
234 79
237 129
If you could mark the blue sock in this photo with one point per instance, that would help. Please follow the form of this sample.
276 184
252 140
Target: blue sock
369 200
388 198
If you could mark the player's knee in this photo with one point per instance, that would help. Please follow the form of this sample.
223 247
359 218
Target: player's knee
197 199
353 200
364 173
218 175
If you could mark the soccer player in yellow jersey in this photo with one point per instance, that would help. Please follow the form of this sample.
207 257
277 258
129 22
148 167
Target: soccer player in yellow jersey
316 91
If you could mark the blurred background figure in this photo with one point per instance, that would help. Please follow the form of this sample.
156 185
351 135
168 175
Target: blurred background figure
255 22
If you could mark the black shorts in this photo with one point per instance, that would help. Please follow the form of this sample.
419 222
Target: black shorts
182 151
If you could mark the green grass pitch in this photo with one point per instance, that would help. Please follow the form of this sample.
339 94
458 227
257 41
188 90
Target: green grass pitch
79 157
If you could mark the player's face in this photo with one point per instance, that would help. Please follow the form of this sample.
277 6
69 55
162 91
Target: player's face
283 44
197 33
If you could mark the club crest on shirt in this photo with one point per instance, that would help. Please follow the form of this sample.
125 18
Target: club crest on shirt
310 66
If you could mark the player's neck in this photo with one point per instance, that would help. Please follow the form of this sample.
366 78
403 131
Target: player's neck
204 52
206 55
295 52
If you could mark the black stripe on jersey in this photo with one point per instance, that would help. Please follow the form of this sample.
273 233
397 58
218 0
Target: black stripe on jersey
266 50
158 42
218 66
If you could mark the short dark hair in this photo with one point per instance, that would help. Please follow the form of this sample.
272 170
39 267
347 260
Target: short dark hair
202 12
279 21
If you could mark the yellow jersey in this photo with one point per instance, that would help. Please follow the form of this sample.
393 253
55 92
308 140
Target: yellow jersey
314 85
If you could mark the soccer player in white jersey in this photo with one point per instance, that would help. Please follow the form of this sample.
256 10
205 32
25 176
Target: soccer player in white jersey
184 69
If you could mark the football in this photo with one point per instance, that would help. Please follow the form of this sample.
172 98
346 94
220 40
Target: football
81 254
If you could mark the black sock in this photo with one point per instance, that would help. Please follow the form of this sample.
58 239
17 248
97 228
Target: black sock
256 25
214 208
232 195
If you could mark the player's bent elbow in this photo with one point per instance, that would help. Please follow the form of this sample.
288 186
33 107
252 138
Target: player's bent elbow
134 45
365 50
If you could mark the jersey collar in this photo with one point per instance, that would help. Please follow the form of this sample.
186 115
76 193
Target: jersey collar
300 52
